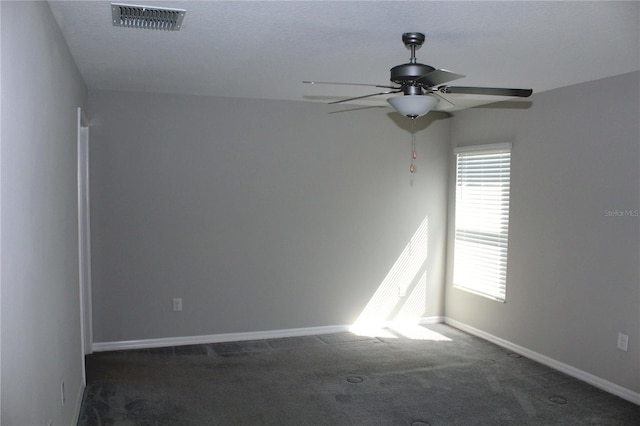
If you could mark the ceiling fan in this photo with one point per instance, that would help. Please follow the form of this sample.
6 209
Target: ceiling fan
421 85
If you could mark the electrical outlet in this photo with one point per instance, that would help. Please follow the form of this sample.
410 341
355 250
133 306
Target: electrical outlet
177 304
63 396
623 341
402 291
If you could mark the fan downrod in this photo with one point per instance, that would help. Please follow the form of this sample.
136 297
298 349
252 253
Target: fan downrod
413 41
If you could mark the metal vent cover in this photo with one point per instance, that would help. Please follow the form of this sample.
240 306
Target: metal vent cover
146 17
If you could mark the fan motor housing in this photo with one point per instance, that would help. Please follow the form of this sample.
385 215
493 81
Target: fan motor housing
407 73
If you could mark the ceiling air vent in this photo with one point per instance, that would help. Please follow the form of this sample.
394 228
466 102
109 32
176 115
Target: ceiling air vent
146 17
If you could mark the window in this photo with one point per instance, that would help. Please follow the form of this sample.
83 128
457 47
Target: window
482 219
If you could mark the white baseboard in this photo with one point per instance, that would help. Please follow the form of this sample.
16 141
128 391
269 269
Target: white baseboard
596 381
217 338
232 337
431 320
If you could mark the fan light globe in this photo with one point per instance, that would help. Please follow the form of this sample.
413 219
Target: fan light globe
413 105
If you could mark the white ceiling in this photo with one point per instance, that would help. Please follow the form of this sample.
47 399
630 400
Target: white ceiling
266 49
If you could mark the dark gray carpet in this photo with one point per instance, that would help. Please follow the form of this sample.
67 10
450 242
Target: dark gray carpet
341 379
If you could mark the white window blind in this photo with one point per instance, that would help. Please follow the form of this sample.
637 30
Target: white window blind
482 219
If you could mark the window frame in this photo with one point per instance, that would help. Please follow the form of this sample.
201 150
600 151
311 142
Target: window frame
483 245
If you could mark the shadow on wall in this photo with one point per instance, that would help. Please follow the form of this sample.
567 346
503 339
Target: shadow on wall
400 301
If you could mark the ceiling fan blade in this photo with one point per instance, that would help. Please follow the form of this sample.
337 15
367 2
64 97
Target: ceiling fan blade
437 77
365 96
352 84
495 91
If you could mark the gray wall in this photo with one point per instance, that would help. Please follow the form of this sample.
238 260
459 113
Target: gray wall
573 279
261 215
41 347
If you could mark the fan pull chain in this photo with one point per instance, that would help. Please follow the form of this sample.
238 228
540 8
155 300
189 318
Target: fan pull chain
414 154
